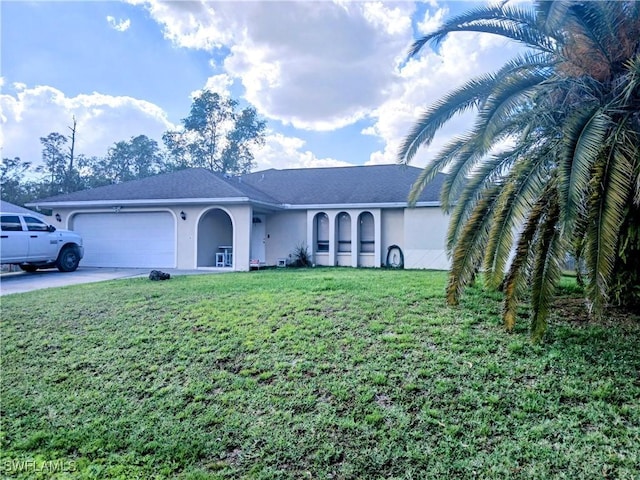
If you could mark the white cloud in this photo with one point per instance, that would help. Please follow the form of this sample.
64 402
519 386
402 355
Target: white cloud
325 65
31 113
428 77
193 24
119 25
432 20
217 83
281 152
313 65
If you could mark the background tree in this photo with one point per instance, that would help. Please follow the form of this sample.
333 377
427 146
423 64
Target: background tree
570 180
127 160
54 161
58 162
177 150
72 181
66 171
248 131
216 136
12 185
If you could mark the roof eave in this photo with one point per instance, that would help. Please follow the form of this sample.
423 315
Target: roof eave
223 200
139 202
320 206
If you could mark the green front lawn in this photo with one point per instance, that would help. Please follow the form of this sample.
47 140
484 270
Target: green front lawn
327 373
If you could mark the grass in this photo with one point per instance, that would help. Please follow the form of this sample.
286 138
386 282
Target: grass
324 373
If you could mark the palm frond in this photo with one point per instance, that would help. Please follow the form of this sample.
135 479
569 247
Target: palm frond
600 23
515 280
468 157
505 20
547 270
636 195
491 169
467 256
585 131
526 70
506 100
631 80
488 173
500 112
522 186
456 102
500 238
438 164
611 186
572 176
551 15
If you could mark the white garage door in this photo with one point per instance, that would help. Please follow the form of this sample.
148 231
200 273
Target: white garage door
140 239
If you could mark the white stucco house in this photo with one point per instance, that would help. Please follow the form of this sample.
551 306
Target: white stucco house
346 216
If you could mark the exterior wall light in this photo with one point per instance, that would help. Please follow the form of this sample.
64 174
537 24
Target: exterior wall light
58 217
183 215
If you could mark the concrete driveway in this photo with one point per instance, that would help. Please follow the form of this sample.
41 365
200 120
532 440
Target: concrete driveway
19 282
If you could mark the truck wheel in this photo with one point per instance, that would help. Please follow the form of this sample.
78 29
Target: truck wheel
28 268
68 259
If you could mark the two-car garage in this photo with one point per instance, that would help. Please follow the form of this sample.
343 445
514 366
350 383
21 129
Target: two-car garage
127 239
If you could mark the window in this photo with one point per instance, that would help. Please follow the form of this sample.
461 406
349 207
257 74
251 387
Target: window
344 232
322 232
36 225
11 223
367 233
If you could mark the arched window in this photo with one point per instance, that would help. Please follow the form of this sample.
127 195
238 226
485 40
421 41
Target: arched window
367 233
322 232
343 222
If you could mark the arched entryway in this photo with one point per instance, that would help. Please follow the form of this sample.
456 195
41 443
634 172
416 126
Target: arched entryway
215 239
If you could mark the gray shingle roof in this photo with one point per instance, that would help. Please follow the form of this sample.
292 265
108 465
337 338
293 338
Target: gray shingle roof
313 186
183 184
6 207
343 185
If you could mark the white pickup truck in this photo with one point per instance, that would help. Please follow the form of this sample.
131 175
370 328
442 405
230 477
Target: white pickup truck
30 243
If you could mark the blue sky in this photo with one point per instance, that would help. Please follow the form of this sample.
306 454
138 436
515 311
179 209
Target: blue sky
329 77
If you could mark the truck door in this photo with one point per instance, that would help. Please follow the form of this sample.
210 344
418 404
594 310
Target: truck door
43 244
14 241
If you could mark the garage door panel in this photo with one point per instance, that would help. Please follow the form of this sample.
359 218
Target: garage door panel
136 239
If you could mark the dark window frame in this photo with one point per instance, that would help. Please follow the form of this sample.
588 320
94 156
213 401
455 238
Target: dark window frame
367 245
344 234
322 243
42 226
11 225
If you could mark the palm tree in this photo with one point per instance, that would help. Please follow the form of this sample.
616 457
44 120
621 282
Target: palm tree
569 180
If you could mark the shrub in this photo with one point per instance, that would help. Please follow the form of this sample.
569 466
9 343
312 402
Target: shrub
300 256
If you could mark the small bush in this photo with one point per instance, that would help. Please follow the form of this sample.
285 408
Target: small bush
300 257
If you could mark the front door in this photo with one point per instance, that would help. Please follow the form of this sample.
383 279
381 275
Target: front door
258 234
